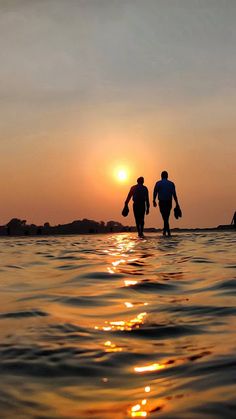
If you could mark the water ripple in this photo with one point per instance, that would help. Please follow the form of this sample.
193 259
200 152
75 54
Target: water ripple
115 327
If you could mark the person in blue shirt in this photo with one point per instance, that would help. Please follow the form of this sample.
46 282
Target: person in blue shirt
165 190
141 205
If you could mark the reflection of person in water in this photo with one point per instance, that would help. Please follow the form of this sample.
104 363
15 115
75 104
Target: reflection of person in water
165 189
139 193
233 222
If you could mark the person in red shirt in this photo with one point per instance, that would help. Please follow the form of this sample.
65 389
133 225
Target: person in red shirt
141 205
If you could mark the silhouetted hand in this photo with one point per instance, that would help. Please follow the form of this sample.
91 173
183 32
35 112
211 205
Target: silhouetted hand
154 203
147 211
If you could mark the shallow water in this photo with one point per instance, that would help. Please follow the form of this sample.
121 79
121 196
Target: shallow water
109 326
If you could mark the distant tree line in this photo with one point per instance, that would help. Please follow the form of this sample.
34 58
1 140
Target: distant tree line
17 227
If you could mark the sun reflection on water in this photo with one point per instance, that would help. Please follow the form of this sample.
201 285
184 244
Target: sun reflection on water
123 325
117 262
122 247
130 282
148 368
137 303
111 347
140 409
120 252
128 304
139 413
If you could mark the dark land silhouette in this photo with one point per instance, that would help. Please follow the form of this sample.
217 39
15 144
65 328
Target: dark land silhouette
17 227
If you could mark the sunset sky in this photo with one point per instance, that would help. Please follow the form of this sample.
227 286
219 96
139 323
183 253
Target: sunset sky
89 87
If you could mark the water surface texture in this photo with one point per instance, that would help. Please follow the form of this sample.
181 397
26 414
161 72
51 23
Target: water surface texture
109 326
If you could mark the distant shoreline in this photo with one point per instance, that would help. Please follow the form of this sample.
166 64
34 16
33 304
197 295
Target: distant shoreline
17 227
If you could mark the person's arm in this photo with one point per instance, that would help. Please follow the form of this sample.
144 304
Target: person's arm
147 202
175 196
155 195
129 196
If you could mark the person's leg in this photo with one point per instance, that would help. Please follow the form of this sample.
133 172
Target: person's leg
167 216
141 227
162 211
166 223
142 216
139 213
137 218
165 208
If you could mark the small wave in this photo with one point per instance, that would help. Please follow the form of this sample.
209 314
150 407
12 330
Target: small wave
83 301
101 275
67 267
226 286
150 286
201 260
165 331
197 310
21 314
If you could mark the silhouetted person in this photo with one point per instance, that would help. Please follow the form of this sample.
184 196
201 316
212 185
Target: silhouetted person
165 189
234 220
139 193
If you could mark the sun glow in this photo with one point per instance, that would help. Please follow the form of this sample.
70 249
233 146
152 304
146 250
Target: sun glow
121 174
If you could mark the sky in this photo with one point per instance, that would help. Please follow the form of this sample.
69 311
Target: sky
91 86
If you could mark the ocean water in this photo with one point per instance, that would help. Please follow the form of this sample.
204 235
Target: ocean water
109 326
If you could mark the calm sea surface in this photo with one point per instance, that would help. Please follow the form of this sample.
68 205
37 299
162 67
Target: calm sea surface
109 326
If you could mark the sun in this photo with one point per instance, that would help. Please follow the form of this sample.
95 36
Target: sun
121 175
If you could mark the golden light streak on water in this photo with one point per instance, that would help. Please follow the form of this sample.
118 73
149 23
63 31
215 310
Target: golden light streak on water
136 408
129 282
128 305
117 262
123 324
140 409
137 412
124 245
147 368
119 323
131 305
111 347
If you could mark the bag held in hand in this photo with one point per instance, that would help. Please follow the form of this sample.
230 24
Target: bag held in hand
125 211
177 212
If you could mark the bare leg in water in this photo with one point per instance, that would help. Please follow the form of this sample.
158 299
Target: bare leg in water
165 208
139 214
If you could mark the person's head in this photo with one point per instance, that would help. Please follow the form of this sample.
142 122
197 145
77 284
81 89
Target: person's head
164 174
140 180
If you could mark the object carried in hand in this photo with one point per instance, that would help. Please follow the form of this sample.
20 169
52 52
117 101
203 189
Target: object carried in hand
125 211
177 212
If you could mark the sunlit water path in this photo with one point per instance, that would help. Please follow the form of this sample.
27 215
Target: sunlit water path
109 326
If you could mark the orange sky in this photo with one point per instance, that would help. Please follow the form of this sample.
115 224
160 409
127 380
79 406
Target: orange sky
87 88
